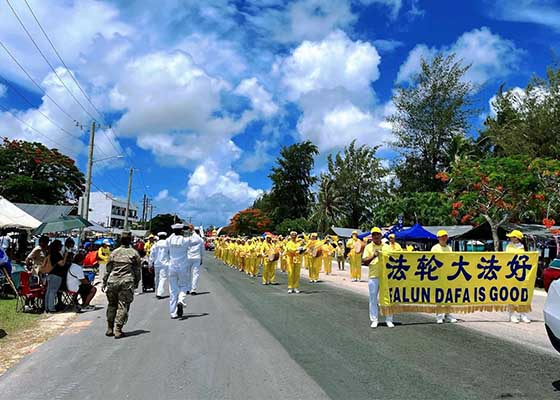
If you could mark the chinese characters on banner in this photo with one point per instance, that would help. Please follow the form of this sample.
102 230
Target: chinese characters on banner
456 282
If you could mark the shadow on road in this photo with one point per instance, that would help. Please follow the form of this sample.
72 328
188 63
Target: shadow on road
3 333
136 332
189 316
199 293
556 385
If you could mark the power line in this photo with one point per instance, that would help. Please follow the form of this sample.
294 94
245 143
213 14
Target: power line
47 61
34 129
14 89
61 60
36 84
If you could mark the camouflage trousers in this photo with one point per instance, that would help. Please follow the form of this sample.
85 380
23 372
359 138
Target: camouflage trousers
119 295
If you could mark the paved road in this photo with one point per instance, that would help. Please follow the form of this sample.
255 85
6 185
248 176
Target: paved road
241 340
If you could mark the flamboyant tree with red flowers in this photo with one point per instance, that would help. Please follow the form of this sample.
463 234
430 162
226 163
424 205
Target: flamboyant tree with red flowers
503 189
250 221
33 173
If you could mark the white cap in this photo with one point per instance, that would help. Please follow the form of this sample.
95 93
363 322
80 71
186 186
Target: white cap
106 241
162 234
177 226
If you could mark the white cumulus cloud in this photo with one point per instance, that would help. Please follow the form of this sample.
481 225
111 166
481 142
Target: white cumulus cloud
491 56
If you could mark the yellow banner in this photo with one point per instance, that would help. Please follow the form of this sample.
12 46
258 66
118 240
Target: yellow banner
456 282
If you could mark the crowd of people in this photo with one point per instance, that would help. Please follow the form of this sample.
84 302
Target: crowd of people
298 251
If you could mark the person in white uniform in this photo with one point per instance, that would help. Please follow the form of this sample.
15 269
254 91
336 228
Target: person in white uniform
159 260
194 259
177 248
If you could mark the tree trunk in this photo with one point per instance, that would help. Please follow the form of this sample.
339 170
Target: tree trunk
495 237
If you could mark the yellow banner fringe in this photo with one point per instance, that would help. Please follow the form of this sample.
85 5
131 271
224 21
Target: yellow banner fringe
460 309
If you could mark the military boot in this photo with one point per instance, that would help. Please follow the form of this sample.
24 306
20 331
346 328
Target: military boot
109 329
118 332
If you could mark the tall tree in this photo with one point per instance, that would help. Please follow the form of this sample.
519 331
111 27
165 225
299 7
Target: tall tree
430 114
250 221
33 173
527 121
357 176
331 207
291 195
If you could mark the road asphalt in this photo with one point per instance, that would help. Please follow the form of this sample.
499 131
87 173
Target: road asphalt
243 340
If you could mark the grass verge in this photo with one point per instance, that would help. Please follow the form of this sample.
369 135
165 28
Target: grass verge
12 322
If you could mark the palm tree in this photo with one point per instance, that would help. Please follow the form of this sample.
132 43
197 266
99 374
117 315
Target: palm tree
330 208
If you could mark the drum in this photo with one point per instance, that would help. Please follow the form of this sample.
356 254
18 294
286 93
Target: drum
358 247
273 257
317 251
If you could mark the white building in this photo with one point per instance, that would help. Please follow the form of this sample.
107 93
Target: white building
107 211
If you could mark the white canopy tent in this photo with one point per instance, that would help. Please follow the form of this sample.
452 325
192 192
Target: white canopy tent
14 217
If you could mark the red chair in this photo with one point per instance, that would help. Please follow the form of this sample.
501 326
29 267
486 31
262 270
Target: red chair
32 296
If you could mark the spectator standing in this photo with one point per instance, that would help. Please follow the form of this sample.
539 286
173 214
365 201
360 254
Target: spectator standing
35 259
56 275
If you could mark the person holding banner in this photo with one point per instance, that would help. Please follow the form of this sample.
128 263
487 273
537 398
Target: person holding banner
516 246
393 245
371 257
442 247
354 256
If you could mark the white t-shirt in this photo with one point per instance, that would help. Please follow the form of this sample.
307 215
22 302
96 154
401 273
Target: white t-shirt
75 274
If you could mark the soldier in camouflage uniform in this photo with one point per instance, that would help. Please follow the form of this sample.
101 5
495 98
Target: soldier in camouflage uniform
120 280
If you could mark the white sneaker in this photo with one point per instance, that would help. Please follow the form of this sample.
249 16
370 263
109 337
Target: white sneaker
296 291
450 319
174 316
290 291
525 319
390 324
514 319
374 324
439 321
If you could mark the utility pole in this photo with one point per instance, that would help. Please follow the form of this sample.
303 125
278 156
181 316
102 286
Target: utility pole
151 215
144 213
85 202
128 199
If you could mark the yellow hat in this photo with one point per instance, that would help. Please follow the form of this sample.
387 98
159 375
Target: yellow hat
392 235
516 234
314 235
442 233
375 230
354 232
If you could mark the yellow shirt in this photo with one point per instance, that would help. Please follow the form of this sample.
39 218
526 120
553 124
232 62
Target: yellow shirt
438 248
103 254
340 252
350 244
292 250
392 247
369 252
515 248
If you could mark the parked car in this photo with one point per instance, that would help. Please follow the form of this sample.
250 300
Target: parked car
551 273
552 314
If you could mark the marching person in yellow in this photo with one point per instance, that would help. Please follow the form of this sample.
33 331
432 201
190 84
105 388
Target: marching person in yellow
294 249
340 255
354 258
371 257
283 258
327 255
443 247
392 245
269 267
516 246
312 246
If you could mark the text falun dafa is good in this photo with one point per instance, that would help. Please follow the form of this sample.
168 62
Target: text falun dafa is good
456 282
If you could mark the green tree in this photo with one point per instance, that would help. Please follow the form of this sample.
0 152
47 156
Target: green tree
358 187
501 189
527 121
291 195
163 222
331 207
299 225
33 173
430 114
427 208
249 222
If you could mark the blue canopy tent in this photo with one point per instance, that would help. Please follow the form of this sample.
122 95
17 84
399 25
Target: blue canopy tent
100 241
416 232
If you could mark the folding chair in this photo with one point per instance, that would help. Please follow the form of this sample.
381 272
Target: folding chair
32 296
70 301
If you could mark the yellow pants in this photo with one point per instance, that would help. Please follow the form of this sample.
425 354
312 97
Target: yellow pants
306 261
355 266
314 268
269 271
294 269
258 265
327 264
283 263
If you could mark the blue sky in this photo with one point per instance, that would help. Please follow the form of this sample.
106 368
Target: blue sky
201 95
